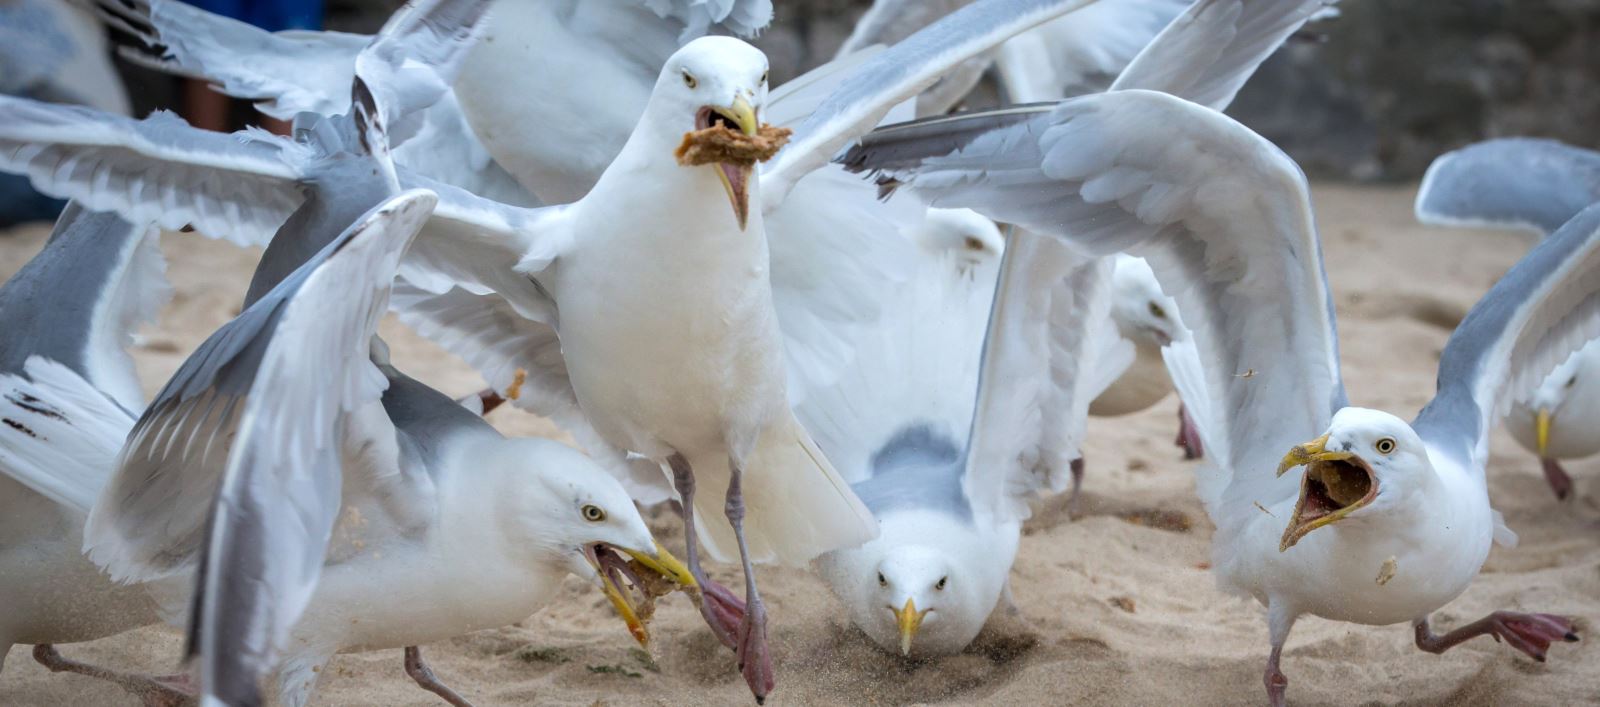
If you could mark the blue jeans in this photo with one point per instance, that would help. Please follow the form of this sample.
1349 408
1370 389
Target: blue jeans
270 15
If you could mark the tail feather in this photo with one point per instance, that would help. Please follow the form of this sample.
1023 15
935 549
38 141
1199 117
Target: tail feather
61 435
797 505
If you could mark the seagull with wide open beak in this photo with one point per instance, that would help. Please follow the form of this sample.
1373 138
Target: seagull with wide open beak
1336 483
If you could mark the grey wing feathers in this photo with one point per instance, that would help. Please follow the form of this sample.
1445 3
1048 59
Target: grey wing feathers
1168 180
152 515
1544 309
1209 51
240 187
744 18
285 72
896 74
117 282
280 488
1510 183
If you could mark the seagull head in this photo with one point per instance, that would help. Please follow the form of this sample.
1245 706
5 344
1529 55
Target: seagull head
964 234
1368 463
1143 313
919 589
1534 422
712 82
573 511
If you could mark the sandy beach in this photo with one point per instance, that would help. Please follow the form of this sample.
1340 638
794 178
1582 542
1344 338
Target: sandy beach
1114 607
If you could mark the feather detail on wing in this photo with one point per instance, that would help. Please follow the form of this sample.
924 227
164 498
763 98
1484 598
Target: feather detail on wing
1544 309
240 187
1209 52
1032 392
61 435
895 75
521 359
281 368
286 73
1223 217
1516 182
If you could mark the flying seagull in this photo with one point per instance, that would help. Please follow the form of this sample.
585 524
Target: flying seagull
1388 521
1536 185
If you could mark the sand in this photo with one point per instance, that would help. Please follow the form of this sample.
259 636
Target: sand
1112 610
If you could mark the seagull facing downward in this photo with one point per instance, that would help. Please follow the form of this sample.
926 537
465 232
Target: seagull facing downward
1381 521
1535 185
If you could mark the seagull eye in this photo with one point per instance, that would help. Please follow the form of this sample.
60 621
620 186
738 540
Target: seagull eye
1572 381
689 80
593 513
764 77
972 243
882 581
1385 445
1157 311
942 581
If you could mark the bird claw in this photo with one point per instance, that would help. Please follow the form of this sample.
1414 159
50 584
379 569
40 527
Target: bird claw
755 661
1560 482
1531 633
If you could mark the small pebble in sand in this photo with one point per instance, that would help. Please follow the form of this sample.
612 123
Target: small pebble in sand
1123 603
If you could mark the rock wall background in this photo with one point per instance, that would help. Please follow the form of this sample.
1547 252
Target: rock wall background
1384 89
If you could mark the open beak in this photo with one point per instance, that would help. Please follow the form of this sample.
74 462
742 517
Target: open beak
1541 430
1335 484
740 116
648 575
909 620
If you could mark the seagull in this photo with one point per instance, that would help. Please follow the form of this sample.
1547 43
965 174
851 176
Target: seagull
1387 521
646 308
951 509
1535 185
1148 319
940 427
66 389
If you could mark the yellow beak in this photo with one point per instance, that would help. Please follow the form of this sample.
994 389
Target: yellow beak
742 114
910 620
1303 454
736 177
1541 430
662 563
1338 492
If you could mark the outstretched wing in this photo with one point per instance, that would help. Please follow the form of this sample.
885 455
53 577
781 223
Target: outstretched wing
1067 55
1222 215
1514 182
284 361
1034 384
1534 318
286 73
896 74
1209 51
240 186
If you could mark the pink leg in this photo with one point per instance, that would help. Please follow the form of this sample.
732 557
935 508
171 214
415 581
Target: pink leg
1277 684
755 660
1530 633
152 691
1559 481
1073 505
1188 435
420 672
722 611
